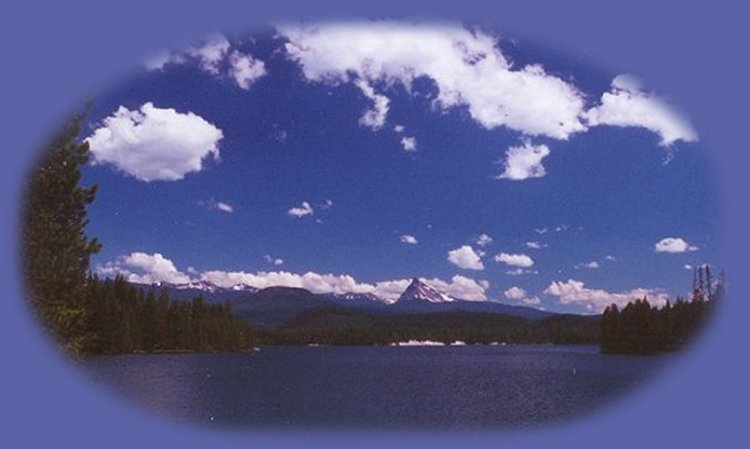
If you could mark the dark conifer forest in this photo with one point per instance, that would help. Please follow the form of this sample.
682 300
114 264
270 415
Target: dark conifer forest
88 315
640 328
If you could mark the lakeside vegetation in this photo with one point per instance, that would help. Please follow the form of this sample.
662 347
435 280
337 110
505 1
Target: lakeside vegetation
87 315
346 326
640 328
122 318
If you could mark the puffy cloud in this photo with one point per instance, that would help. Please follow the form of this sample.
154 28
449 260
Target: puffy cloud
524 162
314 282
390 290
673 245
142 268
409 143
626 104
461 287
535 245
687 266
224 207
153 268
484 240
588 265
610 257
410 239
327 204
213 56
515 260
375 117
465 257
153 144
520 295
245 69
273 260
596 300
515 293
458 287
467 67
211 53
301 210
398 128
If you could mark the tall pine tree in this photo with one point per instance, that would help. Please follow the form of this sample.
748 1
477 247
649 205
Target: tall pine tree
55 247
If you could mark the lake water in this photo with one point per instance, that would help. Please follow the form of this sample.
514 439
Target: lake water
377 387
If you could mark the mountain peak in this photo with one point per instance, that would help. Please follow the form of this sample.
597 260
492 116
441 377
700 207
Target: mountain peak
418 290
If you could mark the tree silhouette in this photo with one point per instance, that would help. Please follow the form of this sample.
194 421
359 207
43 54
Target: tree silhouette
55 248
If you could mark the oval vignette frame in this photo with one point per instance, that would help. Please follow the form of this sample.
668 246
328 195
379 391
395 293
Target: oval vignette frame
656 406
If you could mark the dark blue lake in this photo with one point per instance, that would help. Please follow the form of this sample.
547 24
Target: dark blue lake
377 387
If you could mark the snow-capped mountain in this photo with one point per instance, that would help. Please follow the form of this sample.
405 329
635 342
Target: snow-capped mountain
420 291
353 297
275 305
206 286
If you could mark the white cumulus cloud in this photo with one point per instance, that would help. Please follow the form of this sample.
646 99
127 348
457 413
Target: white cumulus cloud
245 69
467 67
458 287
314 282
461 287
484 240
273 260
143 268
215 56
515 260
224 207
588 265
153 144
390 290
524 162
375 116
596 300
465 257
410 239
409 143
210 53
520 295
673 245
301 210
627 105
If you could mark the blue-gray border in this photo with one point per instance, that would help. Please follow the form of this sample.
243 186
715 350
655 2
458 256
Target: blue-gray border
54 54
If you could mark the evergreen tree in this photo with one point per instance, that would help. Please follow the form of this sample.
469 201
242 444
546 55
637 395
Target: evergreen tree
55 248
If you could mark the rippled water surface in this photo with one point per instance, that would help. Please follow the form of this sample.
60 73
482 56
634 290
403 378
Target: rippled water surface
386 387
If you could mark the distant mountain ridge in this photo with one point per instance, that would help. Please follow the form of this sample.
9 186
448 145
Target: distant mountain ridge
420 291
273 306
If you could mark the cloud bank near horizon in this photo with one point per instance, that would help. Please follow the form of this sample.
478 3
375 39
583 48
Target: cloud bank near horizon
144 268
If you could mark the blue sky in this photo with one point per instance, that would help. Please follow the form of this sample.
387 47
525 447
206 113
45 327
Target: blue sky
352 157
